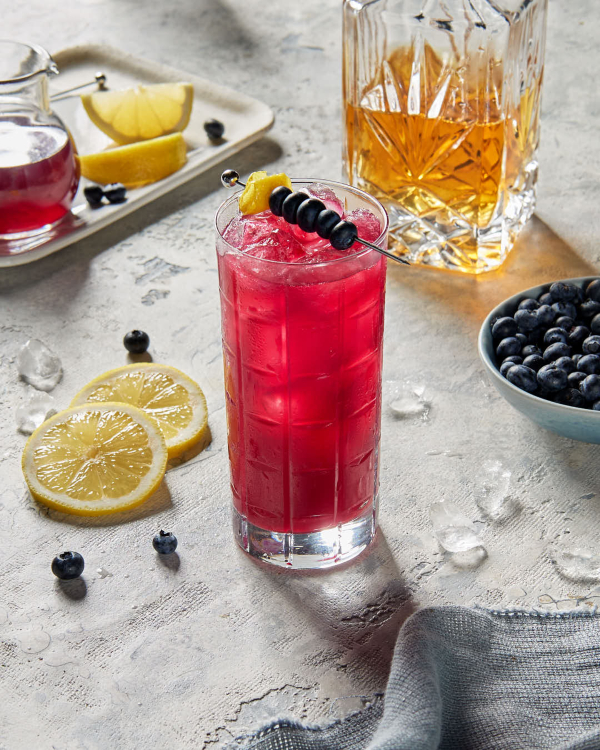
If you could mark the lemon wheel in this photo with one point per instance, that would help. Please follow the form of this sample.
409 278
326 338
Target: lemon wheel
95 459
169 396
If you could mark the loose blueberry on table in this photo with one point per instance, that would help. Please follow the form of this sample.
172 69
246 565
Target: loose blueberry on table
68 565
550 346
136 342
165 542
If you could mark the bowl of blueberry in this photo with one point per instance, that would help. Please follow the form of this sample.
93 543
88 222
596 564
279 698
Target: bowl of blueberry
541 349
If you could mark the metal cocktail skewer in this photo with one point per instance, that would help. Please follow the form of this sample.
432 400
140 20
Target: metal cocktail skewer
99 80
230 178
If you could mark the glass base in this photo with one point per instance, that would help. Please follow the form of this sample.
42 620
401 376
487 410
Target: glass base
33 233
313 550
443 239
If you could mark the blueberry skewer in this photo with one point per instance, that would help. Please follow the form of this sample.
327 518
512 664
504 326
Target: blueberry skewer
311 215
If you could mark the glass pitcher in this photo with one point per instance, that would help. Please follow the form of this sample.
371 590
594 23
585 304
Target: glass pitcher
442 106
39 173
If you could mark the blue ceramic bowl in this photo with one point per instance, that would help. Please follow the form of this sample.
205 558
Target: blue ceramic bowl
568 421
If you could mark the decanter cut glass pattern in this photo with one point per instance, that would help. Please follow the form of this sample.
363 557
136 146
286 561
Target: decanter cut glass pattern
442 105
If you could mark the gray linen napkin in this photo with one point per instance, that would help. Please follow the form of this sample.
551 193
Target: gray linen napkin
473 679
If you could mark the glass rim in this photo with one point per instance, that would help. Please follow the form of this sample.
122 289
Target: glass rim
308 180
47 64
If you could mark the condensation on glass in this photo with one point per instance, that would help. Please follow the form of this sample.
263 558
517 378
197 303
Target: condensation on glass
442 112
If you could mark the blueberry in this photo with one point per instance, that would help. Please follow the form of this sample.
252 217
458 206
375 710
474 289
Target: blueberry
554 351
307 214
523 377
344 235
165 542
507 347
592 290
590 387
575 378
562 291
527 320
591 345
326 221
68 565
595 324
115 193
564 321
590 364
566 364
530 349
545 315
278 195
577 335
528 304
564 308
588 308
535 337
136 342
291 205
214 129
93 195
545 298
570 397
534 361
505 366
552 378
576 358
555 336
522 338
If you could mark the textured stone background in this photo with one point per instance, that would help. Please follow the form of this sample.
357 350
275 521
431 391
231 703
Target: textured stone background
194 655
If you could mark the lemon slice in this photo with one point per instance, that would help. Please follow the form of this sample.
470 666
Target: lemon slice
132 115
175 401
259 187
95 459
137 164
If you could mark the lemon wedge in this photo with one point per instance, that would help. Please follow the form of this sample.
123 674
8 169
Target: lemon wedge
175 401
140 113
136 164
95 459
259 187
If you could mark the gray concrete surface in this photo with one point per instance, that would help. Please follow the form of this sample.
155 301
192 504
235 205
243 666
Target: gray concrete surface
188 656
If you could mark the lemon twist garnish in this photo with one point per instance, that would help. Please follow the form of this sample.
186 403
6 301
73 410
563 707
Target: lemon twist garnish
259 187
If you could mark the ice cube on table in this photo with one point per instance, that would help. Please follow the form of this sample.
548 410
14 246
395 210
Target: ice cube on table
453 530
326 195
39 366
492 493
408 401
576 564
34 412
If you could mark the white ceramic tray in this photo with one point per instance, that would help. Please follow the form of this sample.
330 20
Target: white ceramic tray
245 120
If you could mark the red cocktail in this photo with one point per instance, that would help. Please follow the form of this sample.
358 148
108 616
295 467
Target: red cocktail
302 329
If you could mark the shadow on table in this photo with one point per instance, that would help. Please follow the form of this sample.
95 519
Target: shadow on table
360 606
539 256
159 502
79 255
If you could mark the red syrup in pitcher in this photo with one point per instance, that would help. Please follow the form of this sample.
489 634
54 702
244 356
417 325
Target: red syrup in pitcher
38 174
